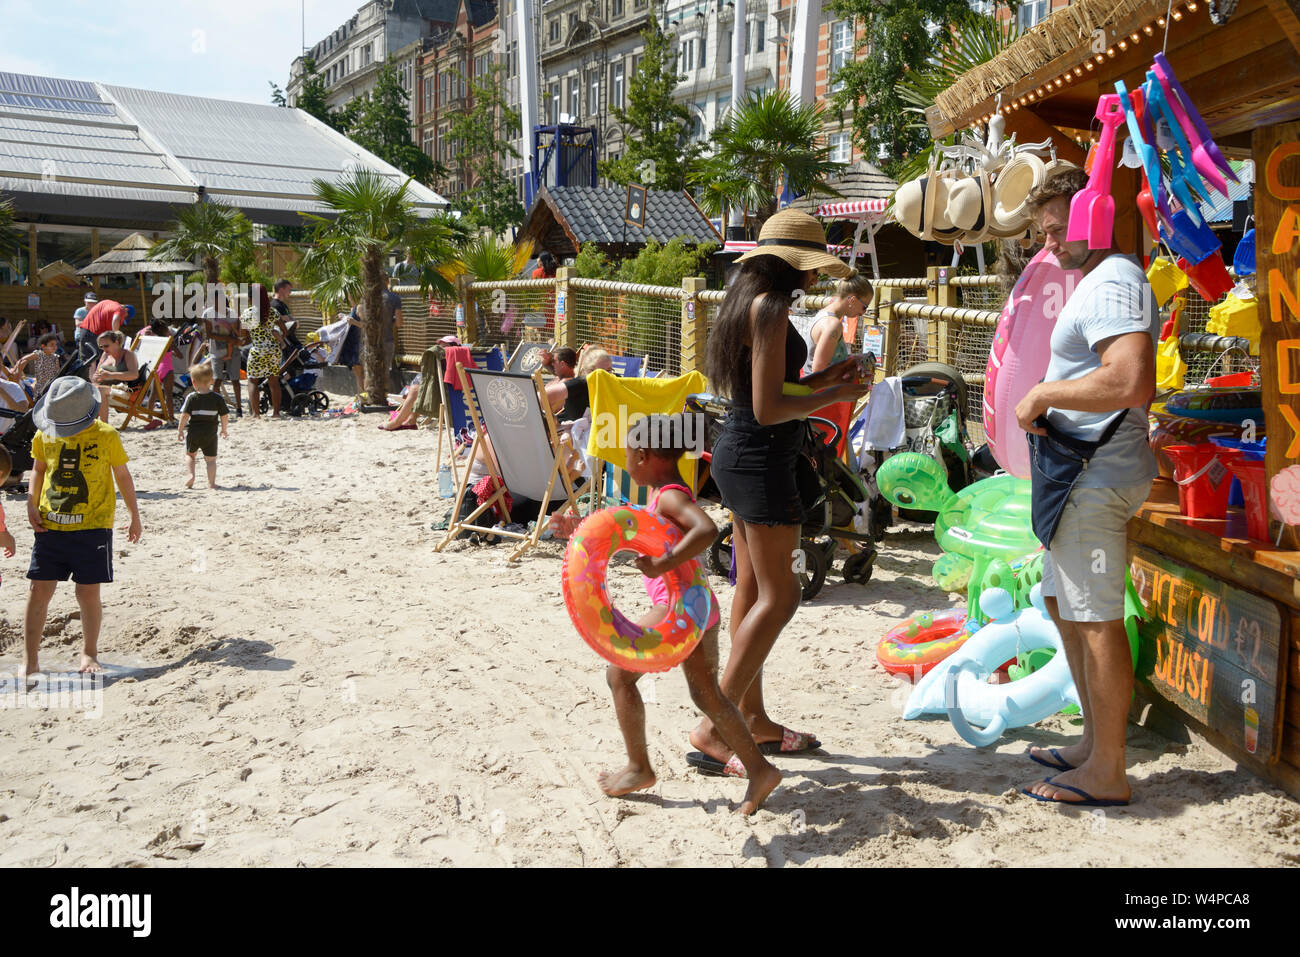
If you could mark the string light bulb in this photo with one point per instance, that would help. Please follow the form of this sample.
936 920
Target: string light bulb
1191 7
1160 21
1123 44
1078 71
1089 65
1135 37
1178 14
1148 30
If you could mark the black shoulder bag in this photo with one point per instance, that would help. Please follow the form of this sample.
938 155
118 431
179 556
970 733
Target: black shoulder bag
1056 460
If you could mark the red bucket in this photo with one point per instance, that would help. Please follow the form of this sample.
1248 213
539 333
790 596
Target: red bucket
1203 478
1254 490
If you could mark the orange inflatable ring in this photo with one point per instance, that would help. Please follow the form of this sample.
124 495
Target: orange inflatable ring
611 634
922 642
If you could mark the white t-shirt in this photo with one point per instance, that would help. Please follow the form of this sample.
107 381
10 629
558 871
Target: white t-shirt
1114 299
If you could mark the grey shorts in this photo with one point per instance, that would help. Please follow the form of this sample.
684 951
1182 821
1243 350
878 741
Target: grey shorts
1084 568
227 368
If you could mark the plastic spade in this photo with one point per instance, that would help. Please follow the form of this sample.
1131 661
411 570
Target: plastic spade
1200 159
1148 134
1156 98
1177 174
1207 141
1150 164
1092 210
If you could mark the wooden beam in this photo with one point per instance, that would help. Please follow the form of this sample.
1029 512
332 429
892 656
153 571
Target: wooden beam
1288 18
1029 127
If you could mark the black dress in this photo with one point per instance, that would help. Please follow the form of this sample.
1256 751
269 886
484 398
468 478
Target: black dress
754 465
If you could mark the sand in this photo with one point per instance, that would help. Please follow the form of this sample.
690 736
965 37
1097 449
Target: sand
299 679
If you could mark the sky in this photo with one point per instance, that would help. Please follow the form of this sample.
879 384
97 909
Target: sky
228 49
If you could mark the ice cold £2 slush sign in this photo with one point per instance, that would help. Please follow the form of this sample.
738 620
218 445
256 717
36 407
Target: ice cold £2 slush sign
1211 649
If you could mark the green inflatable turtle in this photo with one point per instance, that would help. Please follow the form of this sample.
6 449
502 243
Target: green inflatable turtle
985 529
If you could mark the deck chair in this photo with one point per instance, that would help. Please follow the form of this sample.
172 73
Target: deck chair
149 400
527 357
615 487
629 367
528 455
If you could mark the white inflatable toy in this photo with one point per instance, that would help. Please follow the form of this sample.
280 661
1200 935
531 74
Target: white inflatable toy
957 685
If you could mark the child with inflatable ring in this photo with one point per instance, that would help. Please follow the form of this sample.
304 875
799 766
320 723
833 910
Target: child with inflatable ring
655 444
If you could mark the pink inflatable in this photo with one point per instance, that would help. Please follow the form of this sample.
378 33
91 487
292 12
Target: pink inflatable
1020 353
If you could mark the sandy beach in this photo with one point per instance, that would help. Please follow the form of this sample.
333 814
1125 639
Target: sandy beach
298 679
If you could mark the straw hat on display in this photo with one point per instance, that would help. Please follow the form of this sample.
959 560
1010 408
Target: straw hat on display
798 239
970 206
1020 177
942 229
909 206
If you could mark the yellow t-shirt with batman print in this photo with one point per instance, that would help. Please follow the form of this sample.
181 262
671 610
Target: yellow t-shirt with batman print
79 491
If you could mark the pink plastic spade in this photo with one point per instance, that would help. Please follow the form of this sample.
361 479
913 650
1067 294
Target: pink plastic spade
1163 69
1092 210
1200 158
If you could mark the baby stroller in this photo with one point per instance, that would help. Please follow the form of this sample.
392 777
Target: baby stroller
934 413
17 438
298 375
832 496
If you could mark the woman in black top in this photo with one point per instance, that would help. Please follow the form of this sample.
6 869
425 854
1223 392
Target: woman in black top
753 352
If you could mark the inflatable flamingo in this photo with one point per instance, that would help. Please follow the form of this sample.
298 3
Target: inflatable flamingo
1020 353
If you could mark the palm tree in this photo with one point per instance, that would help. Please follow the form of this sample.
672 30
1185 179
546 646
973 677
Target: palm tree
974 40
207 231
11 242
371 217
765 142
488 259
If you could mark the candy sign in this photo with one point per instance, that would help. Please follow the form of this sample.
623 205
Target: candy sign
1277 212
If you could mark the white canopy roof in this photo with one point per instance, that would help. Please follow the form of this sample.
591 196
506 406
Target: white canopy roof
74 149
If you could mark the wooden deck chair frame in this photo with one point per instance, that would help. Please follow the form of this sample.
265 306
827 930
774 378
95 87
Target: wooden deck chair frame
139 403
527 540
446 428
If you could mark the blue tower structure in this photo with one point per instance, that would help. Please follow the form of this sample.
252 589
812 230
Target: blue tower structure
563 155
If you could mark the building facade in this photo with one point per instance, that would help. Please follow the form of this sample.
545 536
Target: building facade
450 63
349 58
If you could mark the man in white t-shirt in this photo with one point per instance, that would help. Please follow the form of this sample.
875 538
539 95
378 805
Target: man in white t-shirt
1103 363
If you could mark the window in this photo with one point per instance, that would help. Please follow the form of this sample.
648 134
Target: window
367 54
841 49
593 92
686 56
726 47
554 114
703 46
573 21
575 89
428 93
841 147
553 29
428 145
724 100
636 62
760 29
616 85
616 8
1031 12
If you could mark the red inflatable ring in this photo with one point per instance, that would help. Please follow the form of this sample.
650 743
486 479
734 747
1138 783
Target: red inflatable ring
922 642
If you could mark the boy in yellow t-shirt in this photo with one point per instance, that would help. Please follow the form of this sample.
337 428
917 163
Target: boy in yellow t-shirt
77 462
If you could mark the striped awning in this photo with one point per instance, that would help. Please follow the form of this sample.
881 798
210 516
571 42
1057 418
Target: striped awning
856 208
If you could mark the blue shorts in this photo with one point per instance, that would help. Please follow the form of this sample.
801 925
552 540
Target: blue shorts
86 555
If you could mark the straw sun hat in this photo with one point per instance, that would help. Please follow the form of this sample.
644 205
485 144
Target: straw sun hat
800 240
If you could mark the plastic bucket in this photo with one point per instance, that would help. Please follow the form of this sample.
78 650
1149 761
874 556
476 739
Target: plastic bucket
1254 486
1249 450
1203 478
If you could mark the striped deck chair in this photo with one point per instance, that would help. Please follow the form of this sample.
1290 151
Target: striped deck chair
629 367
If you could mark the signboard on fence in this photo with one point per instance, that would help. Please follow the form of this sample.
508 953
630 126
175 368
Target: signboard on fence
33 301
873 341
534 319
1213 650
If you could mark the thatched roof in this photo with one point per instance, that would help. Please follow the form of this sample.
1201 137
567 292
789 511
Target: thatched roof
130 257
861 180
1063 40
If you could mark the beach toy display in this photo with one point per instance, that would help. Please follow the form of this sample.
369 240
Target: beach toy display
918 644
984 522
611 634
1020 353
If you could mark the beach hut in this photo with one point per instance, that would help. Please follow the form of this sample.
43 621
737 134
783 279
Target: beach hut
1222 652
130 257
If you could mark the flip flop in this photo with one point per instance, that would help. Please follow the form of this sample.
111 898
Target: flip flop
1088 799
1061 765
715 768
792 742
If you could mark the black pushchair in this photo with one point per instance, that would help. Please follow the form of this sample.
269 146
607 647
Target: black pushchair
298 375
832 497
17 439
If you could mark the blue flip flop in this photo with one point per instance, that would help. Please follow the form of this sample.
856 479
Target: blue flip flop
1088 799
1061 765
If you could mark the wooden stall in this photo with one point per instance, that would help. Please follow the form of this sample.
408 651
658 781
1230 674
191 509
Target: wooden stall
1222 651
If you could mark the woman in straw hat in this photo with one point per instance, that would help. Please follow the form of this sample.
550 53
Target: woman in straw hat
754 355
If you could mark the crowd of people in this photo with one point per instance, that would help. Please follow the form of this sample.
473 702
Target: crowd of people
1100 377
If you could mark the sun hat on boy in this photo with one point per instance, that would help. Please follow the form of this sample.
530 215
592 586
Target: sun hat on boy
90 297
68 406
798 239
